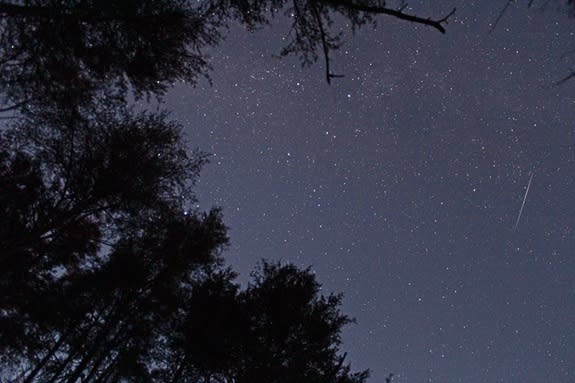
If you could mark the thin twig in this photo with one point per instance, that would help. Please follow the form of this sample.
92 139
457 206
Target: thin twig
14 107
566 78
500 16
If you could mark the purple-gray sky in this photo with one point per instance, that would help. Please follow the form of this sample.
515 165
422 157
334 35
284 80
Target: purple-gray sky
400 185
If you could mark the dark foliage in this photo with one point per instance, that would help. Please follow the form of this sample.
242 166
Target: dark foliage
294 331
67 54
93 225
108 272
64 53
279 329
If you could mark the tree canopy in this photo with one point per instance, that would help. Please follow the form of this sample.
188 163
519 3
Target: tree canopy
108 270
110 274
68 53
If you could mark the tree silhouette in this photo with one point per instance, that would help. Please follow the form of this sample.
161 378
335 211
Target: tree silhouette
67 53
295 332
313 22
279 329
109 275
110 167
108 272
73 195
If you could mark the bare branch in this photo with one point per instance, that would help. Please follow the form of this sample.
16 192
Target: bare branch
14 107
501 15
437 24
372 9
566 78
328 74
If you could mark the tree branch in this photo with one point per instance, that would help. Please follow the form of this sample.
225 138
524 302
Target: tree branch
437 24
566 78
501 15
328 74
14 107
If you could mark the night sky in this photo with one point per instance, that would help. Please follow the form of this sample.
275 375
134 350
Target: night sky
401 183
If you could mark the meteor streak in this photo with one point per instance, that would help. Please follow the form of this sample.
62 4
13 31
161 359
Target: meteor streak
523 203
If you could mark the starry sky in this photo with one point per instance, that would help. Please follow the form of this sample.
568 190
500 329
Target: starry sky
401 183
